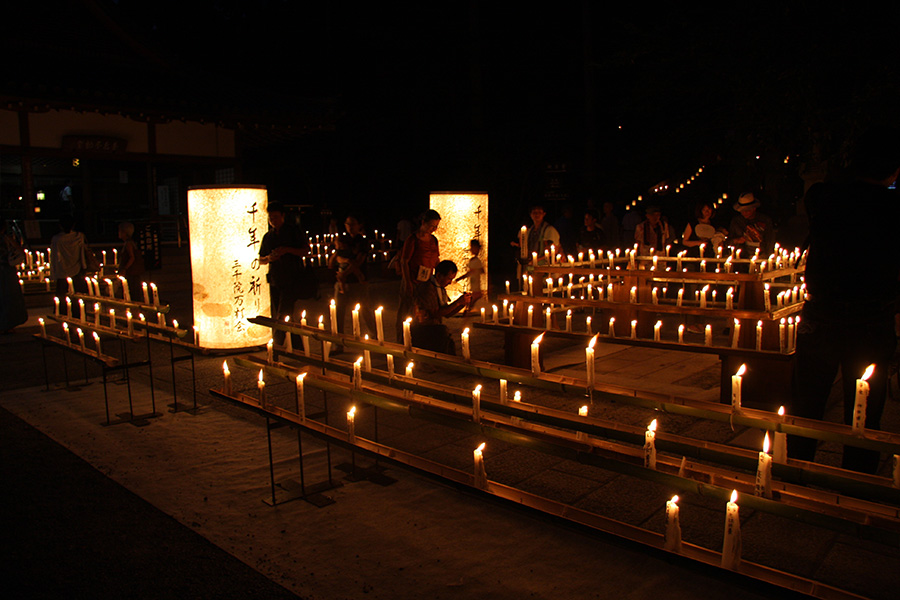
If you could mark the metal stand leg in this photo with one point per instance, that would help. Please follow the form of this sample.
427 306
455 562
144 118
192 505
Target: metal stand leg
327 443
271 461
150 370
172 362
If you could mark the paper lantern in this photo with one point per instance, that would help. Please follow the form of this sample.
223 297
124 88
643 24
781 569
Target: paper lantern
229 285
464 217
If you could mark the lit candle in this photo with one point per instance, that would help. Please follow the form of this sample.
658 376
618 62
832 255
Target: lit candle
535 356
736 380
609 292
351 425
729 299
547 320
650 445
767 298
301 396
476 404
782 342
43 328
587 325
130 323
66 331
354 314
390 365
126 293
703 266
703 296
155 291
791 332
261 386
409 373
480 474
530 318
407 335
483 315
55 306
96 314
495 314
68 307
97 343
112 318
332 312
859 404
357 373
708 334
379 324
504 397
681 333
523 243
582 412
779 449
633 294
589 361
270 354
731 547
465 344
654 295
80 338
367 357
115 256
612 327
304 338
569 320
634 329
656 331
517 396
764 471
146 291
507 286
505 308
71 288
673 526
680 299
759 331
736 335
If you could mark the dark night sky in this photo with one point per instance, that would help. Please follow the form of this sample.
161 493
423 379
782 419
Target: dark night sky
482 95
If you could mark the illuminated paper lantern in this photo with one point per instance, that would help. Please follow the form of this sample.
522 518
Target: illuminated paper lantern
229 285
464 217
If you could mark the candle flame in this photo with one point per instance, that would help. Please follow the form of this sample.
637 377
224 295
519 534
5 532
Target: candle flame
260 375
287 319
766 443
478 388
321 319
466 331
675 499
538 339
593 341
868 372
332 303
780 411
583 411
480 448
652 425
359 361
741 371
352 412
734 496
517 396
301 377
408 320
96 337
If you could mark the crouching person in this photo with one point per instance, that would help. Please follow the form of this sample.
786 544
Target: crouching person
432 305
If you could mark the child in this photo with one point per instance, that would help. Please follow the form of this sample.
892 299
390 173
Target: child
131 263
345 265
474 269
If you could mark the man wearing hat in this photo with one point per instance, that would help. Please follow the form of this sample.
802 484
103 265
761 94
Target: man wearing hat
652 232
751 229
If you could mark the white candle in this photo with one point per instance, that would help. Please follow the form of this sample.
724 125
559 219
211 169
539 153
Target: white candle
612 327
71 288
729 299
859 404
301 396
55 306
736 380
480 474
779 449
530 316
731 547
367 357
759 331
112 318
81 312
69 307
680 297
673 526
569 320
465 344
633 294
483 315
97 343
146 291
582 412
634 329
96 314
270 353
390 365
764 471
517 396
504 397
130 324
656 331
703 296
155 291
495 314
261 386
115 256
681 333
703 266
535 356
547 319
791 332
767 298
507 286
332 312
357 373
354 314
351 425
782 341
126 293
654 295
304 338
476 404
589 361
708 334
506 309
407 335
80 338
66 331
650 445
523 243
736 335
587 325
379 324
43 328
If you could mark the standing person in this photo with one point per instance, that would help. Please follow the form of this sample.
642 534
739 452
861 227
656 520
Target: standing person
610 226
67 259
349 264
281 249
541 235
419 257
12 304
652 232
592 236
701 229
751 229
131 264
849 325
474 268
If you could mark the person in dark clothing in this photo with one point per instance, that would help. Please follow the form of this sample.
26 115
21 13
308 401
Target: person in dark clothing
349 263
282 248
591 236
849 324
432 305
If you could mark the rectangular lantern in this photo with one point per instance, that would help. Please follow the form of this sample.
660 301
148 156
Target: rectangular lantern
227 224
464 217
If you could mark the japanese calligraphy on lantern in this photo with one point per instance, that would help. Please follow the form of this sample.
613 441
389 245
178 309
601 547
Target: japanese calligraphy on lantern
229 285
464 217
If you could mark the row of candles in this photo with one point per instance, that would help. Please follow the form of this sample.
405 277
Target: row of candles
161 317
68 337
37 263
93 285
